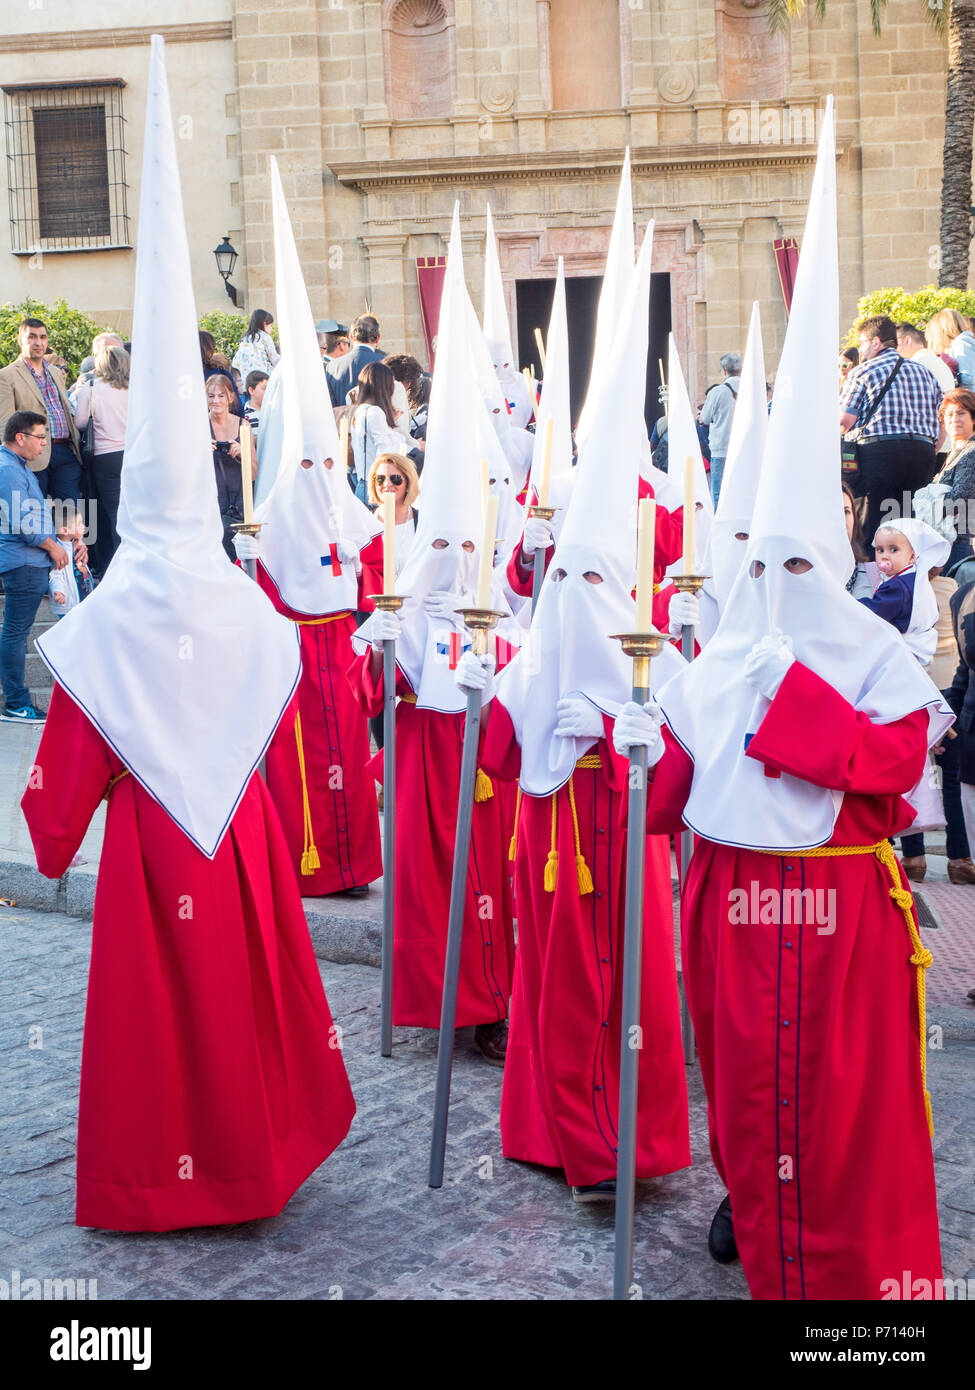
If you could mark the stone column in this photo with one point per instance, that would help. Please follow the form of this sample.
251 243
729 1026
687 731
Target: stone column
391 278
722 270
276 55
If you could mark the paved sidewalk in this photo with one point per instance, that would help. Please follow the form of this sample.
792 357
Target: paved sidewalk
365 1225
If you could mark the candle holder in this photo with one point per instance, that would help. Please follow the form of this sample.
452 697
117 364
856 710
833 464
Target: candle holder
389 603
246 528
641 646
480 621
542 513
689 583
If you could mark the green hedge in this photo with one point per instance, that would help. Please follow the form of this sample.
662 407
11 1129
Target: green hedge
916 307
69 331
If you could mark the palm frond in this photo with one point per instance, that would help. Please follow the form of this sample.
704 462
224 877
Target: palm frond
781 12
937 12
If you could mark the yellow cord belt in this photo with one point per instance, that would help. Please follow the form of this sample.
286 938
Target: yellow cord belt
903 898
317 622
583 875
114 783
309 855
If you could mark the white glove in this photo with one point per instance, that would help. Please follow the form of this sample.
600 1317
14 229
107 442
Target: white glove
384 627
442 605
474 672
638 727
247 547
348 553
684 611
538 535
768 662
578 718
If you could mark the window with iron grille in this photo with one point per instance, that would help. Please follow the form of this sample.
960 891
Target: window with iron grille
66 166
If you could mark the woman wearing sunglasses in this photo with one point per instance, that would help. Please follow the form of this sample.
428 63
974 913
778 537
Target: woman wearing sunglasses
397 474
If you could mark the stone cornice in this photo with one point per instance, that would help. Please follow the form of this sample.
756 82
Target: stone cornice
115 38
370 175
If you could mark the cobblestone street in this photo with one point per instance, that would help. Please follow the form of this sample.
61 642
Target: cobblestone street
366 1225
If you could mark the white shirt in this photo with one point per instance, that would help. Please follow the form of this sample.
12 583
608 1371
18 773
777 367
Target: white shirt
938 369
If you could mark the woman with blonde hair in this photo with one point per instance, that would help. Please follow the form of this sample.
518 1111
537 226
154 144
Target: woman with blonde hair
224 432
103 401
948 334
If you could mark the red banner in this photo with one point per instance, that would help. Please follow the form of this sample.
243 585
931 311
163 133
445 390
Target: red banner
429 279
787 263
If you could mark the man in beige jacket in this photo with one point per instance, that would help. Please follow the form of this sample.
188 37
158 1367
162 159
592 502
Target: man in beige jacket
30 384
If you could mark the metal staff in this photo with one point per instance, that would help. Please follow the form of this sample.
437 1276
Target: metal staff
641 646
686 583
479 621
388 603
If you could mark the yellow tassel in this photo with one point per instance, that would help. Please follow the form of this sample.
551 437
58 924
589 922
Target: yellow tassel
513 844
551 870
583 875
483 790
309 858
313 860
928 1112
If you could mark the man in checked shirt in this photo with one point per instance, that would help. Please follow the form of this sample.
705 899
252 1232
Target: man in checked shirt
899 435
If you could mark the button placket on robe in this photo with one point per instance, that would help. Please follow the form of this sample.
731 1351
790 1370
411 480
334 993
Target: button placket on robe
786 1100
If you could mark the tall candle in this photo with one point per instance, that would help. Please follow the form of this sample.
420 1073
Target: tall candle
531 387
246 439
541 347
389 542
690 513
546 462
487 553
344 443
644 564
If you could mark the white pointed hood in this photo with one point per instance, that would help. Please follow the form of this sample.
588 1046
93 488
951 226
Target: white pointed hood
177 658
570 647
739 486
555 407
616 281
710 706
497 337
459 435
308 509
270 435
682 442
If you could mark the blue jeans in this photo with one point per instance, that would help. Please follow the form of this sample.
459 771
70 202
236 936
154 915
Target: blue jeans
62 476
717 473
23 589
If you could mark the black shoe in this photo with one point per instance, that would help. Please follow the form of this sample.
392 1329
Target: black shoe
596 1192
359 891
721 1237
492 1040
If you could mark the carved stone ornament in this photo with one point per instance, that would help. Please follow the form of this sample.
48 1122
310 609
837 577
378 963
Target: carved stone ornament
497 94
676 83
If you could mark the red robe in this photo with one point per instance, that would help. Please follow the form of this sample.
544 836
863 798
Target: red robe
809 1038
668 539
212 1080
429 746
560 1101
335 744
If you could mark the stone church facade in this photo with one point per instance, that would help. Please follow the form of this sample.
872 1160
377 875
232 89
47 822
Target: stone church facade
382 112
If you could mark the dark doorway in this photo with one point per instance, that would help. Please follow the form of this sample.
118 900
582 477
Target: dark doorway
534 301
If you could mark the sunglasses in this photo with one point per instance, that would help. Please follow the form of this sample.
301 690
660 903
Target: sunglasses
394 478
